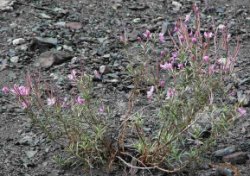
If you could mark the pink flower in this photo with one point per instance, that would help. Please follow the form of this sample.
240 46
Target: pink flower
194 40
147 34
101 109
150 93
232 93
21 90
51 101
208 35
242 111
187 17
161 38
180 66
176 29
162 83
191 34
72 75
80 100
139 39
166 66
97 74
5 90
181 38
206 58
24 91
171 93
175 54
163 53
24 104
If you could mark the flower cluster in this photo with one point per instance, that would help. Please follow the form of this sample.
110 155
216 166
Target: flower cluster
192 53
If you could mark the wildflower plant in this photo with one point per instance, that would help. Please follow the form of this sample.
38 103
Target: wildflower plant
184 85
76 122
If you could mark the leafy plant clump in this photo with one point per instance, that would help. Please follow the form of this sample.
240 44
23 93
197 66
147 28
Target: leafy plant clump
186 107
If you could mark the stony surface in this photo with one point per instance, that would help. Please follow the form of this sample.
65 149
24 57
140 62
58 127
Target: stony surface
88 31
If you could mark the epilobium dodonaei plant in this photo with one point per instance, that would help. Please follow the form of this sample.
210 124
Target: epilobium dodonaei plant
186 109
185 85
77 122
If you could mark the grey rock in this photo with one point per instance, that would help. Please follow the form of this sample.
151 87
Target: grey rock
60 11
112 75
177 5
68 48
22 47
14 59
43 43
12 52
220 10
50 58
101 40
44 16
103 69
225 151
132 37
30 153
116 6
18 41
60 23
137 20
106 56
3 64
111 81
26 140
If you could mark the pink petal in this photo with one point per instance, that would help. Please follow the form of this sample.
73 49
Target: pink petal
97 74
5 90
51 101
147 34
206 58
166 66
242 111
150 93
161 37
80 100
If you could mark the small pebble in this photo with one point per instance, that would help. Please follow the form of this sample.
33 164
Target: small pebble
18 41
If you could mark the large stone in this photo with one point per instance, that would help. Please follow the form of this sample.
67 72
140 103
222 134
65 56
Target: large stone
225 151
50 58
43 44
18 41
